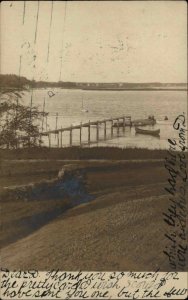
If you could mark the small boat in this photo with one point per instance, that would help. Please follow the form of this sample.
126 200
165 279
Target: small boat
147 131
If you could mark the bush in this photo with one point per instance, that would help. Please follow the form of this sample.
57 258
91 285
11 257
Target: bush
19 123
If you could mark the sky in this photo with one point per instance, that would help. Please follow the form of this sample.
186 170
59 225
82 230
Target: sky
95 41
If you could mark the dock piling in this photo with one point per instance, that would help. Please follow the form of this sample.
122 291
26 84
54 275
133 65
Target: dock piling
112 128
123 123
61 137
105 129
46 123
80 133
89 137
49 139
58 139
56 126
97 130
71 135
118 126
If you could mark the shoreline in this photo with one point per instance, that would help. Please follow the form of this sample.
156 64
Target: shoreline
7 89
83 153
138 89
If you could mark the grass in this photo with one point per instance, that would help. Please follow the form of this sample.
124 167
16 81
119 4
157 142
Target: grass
83 153
34 199
121 228
31 198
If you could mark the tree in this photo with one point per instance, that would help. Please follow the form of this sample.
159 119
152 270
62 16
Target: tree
19 123
13 81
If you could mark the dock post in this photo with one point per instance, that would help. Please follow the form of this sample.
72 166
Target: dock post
46 123
56 120
49 138
105 129
56 126
89 133
71 135
40 140
130 121
123 123
97 131
112 127
61 137
58 139
80 133
118 126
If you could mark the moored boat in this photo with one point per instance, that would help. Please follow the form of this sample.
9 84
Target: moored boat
147 131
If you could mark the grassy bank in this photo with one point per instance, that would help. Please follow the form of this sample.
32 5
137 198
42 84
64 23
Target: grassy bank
121 228
104 213
31 201
25 208
23 166
83 153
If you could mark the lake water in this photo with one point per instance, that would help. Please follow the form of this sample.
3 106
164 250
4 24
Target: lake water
106 104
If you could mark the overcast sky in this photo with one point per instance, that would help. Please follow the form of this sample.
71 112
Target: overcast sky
101 41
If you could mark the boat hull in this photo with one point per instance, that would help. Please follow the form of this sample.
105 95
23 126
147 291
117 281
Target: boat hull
147 132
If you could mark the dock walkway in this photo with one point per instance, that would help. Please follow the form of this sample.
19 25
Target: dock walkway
120 121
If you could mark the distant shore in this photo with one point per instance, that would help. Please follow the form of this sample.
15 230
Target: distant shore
16 82
9 89
135 89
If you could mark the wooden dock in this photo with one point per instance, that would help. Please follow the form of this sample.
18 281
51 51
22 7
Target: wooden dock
122 122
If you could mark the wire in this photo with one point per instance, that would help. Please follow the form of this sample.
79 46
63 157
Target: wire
63 39
23 20
49 38
36 26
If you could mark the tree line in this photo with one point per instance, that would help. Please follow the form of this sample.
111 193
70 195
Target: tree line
21 82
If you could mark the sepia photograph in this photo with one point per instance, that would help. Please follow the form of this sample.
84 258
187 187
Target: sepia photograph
93 136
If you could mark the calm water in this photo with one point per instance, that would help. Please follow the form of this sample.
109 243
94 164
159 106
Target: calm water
105 104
